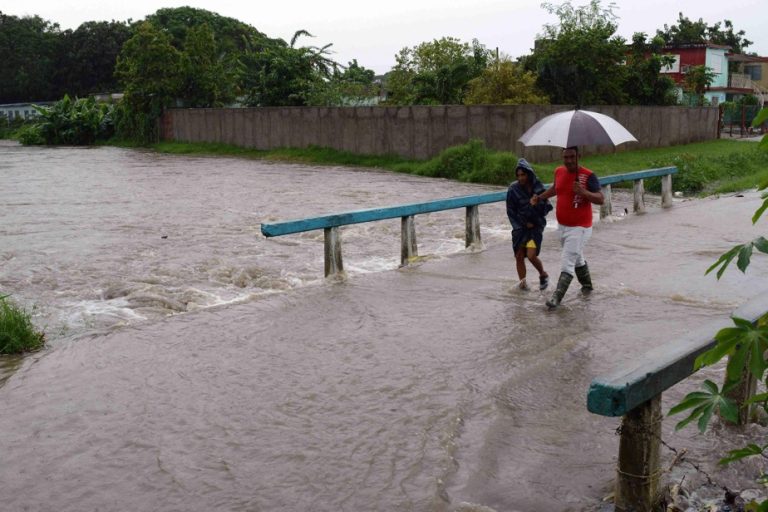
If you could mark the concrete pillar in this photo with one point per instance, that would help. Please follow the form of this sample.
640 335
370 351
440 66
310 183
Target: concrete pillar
605 209
639 200
666 191
408 248
473 227
637 481
333 263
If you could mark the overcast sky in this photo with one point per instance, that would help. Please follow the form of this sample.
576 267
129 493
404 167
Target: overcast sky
374 31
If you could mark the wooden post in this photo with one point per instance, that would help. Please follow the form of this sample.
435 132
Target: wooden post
666 191
637 482
639 200
605 209
333 262
408 248
473 227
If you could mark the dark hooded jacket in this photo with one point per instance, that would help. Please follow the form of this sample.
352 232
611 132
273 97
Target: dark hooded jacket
520 211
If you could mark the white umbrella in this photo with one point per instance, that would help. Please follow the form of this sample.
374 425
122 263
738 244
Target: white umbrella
576 128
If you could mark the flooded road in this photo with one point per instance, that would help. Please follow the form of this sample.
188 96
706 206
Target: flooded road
214 369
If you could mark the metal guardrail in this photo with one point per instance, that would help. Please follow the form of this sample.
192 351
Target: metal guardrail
634 392
331 223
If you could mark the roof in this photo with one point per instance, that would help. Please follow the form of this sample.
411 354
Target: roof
696 45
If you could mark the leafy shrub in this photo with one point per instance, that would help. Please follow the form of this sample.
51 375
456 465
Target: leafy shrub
78 122
17 334
30 135
696 172
457 161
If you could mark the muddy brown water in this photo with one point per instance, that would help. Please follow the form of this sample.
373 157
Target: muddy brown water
194 365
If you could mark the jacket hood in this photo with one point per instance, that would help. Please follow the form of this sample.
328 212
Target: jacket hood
524 165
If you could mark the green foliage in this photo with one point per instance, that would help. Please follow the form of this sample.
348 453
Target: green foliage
86 58
17 334
704 404
232 36
28 48
504 83
744 253
277 74
698 172
150 69
353 86
697 79
30 135
645 84
741 453
78 122
577 61
435 72
687 31
744 343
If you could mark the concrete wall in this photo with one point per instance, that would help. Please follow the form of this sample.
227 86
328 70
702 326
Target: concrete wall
421 132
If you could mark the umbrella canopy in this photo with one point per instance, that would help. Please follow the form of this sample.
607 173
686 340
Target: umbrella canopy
576 128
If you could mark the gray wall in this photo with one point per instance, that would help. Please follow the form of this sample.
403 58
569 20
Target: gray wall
420 132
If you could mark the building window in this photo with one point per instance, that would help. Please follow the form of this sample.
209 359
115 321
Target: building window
754 72
674 67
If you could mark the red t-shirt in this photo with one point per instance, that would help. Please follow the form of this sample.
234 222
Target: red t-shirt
574 210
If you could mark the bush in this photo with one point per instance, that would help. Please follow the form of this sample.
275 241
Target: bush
30 135
78 122
697 173
17 334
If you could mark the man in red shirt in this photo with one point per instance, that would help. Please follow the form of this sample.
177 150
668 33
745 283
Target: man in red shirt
577 189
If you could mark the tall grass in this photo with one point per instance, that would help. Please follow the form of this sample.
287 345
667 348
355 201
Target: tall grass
704 167
17 334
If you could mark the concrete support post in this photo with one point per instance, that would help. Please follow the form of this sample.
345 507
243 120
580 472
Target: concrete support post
666 191
606 209
333 262
639 199
408 248
473 227
637 482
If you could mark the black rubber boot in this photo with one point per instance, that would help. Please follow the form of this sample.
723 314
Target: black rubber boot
562 286
585 280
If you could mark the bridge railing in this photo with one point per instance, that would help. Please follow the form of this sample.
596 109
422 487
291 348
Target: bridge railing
634 391
331 223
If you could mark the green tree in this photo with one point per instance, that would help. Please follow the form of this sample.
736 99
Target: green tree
686 31
435 72
28 49
231 35
696 81
209 76
278 74
578 60
150 69
86 58
353 86
645 84
504 82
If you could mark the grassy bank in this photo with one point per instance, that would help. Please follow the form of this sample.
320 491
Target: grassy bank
716 166
17 334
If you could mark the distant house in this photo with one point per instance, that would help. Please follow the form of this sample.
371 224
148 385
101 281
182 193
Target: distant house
749 75
736 75
700 54
12 111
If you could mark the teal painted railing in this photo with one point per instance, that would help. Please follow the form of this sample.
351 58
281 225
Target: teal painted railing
331 223
634 392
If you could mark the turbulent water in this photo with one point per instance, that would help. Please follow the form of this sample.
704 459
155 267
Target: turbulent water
195 365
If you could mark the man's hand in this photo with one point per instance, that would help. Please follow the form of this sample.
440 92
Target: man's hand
578 188
534 199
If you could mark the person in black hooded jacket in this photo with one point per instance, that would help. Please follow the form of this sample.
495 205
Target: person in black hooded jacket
527 221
